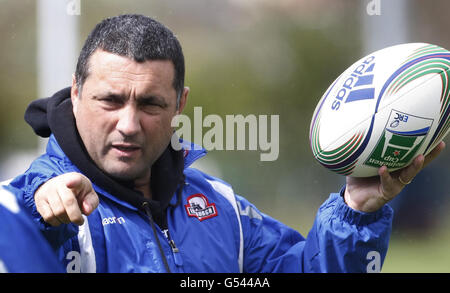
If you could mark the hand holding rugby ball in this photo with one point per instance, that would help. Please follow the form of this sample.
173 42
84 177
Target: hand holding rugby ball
385 109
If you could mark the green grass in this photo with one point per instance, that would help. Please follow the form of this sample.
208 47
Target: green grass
419 254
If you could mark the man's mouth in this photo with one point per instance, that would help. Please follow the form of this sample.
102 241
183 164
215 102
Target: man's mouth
125 149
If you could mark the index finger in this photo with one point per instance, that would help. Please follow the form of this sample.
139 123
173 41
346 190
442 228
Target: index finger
73 181
71 205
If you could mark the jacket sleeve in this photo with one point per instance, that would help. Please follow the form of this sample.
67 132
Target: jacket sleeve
341 240
22 248
41 170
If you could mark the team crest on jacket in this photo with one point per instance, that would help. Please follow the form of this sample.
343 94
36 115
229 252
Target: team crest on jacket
199 207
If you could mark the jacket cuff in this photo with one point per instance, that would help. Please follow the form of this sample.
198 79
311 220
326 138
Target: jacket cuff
342 211
28 198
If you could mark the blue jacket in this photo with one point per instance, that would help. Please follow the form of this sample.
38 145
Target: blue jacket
193 223
22 247
211 230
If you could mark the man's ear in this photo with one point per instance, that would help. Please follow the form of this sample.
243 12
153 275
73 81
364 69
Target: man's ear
183 100
74 94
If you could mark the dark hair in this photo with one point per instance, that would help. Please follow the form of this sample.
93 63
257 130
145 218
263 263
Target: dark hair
137 37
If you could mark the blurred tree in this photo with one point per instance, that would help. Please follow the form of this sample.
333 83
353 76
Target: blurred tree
17 73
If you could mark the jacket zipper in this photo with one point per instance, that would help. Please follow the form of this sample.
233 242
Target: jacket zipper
155 233
175 251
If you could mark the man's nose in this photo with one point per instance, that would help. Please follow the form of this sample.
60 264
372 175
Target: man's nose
129 122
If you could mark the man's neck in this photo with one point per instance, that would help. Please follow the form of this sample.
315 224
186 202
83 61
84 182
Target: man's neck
143 185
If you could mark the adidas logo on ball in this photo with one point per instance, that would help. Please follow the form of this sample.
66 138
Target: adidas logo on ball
356 84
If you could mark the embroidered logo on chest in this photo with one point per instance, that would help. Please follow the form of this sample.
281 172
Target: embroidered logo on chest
199 207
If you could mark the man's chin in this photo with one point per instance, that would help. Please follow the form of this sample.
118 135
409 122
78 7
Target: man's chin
125 174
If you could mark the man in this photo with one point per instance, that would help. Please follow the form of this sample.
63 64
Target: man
22 247
112 195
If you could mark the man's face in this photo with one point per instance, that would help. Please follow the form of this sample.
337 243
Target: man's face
124 113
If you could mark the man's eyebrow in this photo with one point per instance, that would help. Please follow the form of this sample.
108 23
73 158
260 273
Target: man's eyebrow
142 100
111 95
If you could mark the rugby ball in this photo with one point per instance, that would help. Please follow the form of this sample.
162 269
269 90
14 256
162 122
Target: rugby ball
385 109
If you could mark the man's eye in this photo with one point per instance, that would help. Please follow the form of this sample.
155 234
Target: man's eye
111 101
145 105
150 104
150 108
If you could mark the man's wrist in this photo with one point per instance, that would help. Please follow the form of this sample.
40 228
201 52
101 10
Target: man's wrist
367 206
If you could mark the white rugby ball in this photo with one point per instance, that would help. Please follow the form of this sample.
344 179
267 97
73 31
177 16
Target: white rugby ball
385 109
